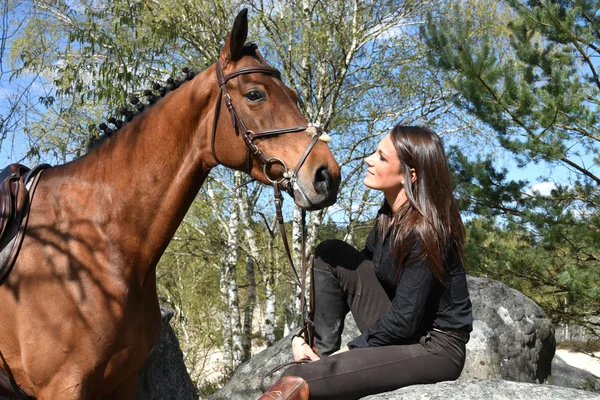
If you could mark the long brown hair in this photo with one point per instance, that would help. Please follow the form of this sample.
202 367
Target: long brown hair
431 214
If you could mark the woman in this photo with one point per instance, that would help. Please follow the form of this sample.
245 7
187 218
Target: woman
406 289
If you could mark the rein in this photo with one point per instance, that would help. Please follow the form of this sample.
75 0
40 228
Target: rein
288 176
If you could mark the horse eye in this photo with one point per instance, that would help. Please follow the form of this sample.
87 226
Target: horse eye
256 95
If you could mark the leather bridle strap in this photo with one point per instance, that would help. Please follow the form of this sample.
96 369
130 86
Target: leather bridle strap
307 320
250 136
288 175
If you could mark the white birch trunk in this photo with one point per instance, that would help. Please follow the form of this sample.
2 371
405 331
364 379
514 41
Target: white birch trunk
293 316
316 220
270 303
226 321
231 315
249 310
250 274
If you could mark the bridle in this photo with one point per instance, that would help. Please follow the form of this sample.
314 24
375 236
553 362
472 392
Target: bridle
249 136
289 176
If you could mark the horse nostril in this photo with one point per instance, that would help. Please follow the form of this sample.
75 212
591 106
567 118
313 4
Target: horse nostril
323 179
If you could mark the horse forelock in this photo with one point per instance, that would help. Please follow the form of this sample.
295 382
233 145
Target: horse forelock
251 49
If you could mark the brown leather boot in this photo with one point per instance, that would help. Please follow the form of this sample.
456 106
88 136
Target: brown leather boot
287 388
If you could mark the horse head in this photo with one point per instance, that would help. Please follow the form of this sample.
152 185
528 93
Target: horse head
262 130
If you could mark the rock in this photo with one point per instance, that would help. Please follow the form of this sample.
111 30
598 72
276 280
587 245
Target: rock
566 375
164 375
511 340
245 382
484 389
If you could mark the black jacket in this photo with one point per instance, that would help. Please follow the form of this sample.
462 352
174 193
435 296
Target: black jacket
419 301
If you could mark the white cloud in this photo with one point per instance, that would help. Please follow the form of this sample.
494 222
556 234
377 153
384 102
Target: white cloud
543 188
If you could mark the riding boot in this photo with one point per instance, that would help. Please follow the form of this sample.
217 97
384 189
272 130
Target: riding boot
330 309
287 388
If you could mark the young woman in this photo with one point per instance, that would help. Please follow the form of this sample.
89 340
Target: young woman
406 289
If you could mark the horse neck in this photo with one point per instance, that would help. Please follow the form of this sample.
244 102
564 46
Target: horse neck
150 171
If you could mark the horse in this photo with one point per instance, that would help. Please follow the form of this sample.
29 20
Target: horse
79 310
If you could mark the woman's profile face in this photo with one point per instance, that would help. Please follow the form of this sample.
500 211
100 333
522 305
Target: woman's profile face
384 168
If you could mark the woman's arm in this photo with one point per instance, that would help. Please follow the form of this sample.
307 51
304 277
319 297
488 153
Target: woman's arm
414 286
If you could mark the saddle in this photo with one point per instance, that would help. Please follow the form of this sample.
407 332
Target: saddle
14 205
17 184
13 195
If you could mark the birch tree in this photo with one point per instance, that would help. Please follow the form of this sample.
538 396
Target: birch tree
253 256
231 326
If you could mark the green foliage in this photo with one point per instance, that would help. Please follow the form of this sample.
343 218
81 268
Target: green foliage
543 245
91 57
537 87
541 98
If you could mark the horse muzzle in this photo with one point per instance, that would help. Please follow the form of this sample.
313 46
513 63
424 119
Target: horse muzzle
314 190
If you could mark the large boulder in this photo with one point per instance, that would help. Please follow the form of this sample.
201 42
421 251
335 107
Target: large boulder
511 340
484 389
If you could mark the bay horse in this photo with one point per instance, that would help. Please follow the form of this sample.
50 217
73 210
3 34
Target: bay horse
79 312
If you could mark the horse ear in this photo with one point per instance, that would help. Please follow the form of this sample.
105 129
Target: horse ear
235 42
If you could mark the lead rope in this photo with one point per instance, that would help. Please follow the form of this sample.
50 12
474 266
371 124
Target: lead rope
316 134
307 323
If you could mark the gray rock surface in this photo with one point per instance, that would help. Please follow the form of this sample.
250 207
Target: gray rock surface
511 340
245 382
495 389
164 375
566 375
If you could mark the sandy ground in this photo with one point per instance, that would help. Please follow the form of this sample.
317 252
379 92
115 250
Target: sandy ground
581 360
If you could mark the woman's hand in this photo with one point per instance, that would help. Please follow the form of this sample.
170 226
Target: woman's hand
343 349
301 350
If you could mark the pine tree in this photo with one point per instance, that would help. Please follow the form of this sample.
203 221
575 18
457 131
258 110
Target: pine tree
538 89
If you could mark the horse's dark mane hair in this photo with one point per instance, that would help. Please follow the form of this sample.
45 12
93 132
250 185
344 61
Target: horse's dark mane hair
136 106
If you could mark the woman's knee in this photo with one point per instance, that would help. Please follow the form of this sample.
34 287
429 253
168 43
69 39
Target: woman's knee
332 253
327 247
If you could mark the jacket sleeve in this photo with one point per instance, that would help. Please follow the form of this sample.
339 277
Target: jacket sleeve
415 283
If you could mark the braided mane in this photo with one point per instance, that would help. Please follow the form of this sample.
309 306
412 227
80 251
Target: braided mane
136 106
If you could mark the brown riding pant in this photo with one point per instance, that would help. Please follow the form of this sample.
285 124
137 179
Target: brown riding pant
433 357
